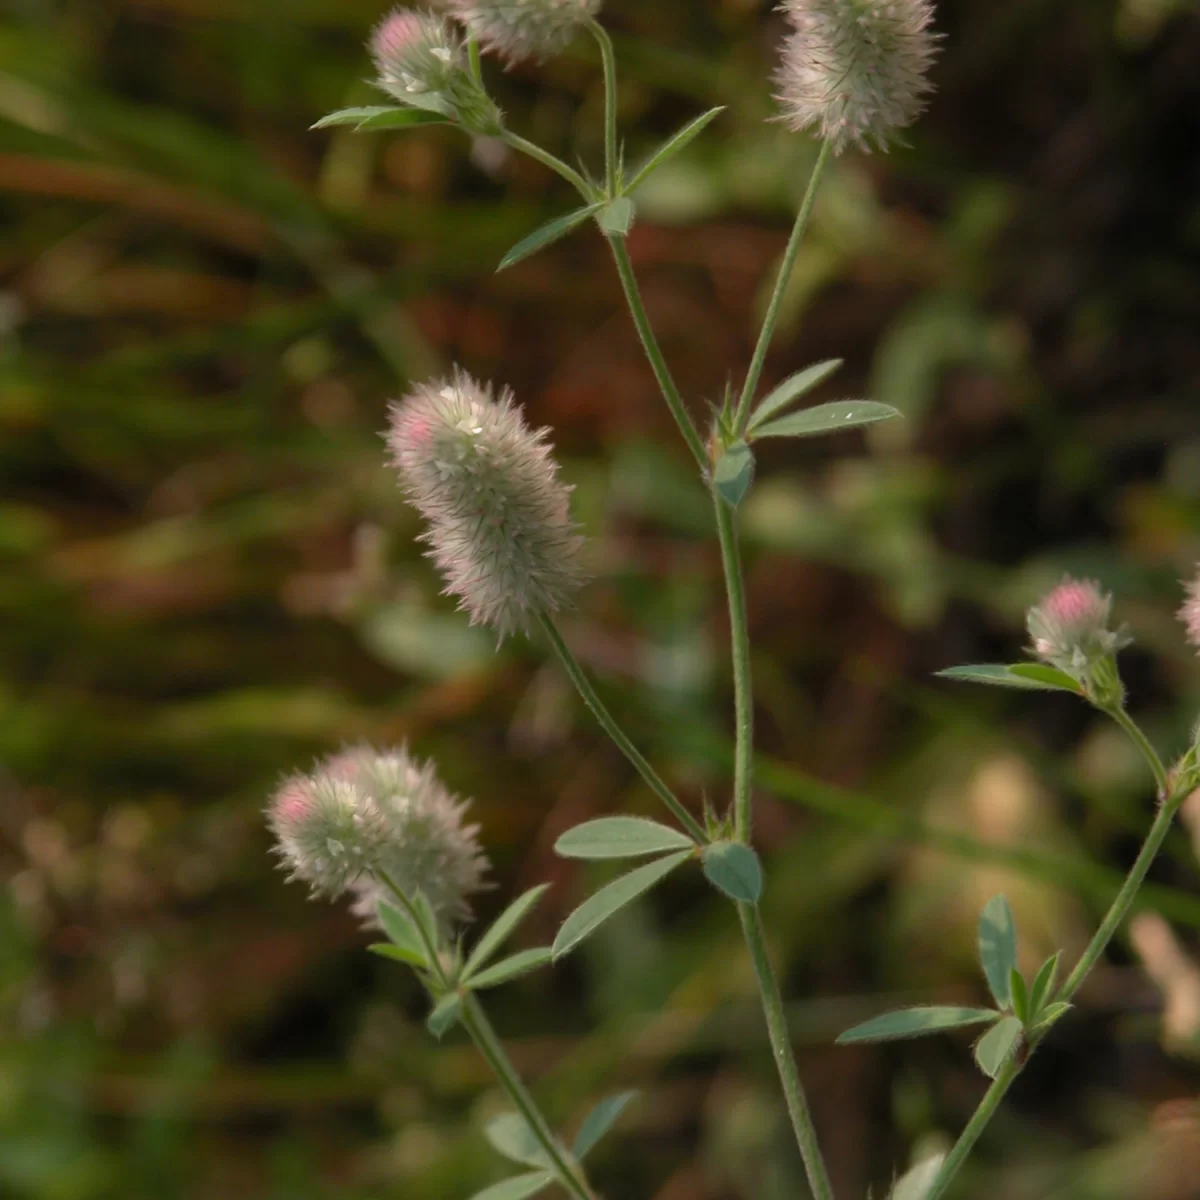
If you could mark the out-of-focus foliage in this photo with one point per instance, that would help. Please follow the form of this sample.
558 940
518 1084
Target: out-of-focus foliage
207 577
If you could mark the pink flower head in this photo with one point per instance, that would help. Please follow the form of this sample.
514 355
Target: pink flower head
1070 627
1189 614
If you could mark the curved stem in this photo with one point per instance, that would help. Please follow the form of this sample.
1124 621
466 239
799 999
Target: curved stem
534 151
743 696
771 319
1142 742
785 1062
610 105
584 686
658 363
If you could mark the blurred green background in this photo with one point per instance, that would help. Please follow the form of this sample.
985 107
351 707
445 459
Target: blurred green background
207 577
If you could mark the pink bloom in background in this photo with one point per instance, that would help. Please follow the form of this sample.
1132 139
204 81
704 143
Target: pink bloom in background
395 36
517 29
1189 614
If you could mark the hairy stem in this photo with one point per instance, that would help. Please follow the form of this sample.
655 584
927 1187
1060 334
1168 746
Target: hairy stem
1142 742
610 105
781 1047
534 151
754 375
584 686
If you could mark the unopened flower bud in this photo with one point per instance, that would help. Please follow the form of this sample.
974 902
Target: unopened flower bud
1189 614
518 29
1070 630
855 70
499 523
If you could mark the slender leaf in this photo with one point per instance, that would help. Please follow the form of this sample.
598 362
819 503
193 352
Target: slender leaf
916 1022
998 947
398 954
734 869
597 909
445 1013
546 235
827 418
620 837
510 1135
916 1183
502 928
996 1045
1050 1014
996 674
513 967
734 473
379 116
517 1188
791 389
616 217
1019 993
428 918
1043 985
353 116
1050 678
673 145
599 1121
403 933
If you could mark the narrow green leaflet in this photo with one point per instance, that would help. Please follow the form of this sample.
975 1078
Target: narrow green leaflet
403 933
1050 1014
1019 994
620 837
398 954
517 1188
512 967
828 418
916 1183
353 116
1043 984
599 1121
380 117
1050 678
510 1135
502 928
547 235
791 389
445 1013
916 1022
734 473
673 145
616 217
1000 675
428 918
993 1049
594 911
998 948
734 869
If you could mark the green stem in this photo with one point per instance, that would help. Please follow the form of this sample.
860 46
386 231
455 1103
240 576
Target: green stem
743 696
785 1062
1117 912
610 105
657 362
771 319
534 151
570 1173
584 686
1142 742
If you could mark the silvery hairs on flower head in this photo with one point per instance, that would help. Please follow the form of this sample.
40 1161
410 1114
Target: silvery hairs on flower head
500 528
855 70
520 29
364 815
1189 614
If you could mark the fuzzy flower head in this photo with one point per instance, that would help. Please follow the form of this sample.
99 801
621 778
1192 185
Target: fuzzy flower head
499 523
855 70
1189 614
518 29
1070 630
421 62
363 815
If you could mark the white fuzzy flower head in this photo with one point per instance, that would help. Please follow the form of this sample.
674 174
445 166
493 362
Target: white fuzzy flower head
499 522
1189 614
518 29
855 70
363 815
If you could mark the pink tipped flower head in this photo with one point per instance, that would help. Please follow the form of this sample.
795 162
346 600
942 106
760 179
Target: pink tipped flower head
499 523
518 29
1070 630
855 70
1189 614
421 62
365 815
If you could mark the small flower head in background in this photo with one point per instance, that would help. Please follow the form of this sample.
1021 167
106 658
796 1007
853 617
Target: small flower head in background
1189 614
855 70
518 29
499 522
365 814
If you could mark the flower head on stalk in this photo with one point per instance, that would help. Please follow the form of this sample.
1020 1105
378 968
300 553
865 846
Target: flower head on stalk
363 817
499 522
855 70
421 61
519 29
1189 614
1069 628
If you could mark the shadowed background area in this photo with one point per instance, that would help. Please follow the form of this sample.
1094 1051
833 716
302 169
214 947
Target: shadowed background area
207 577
